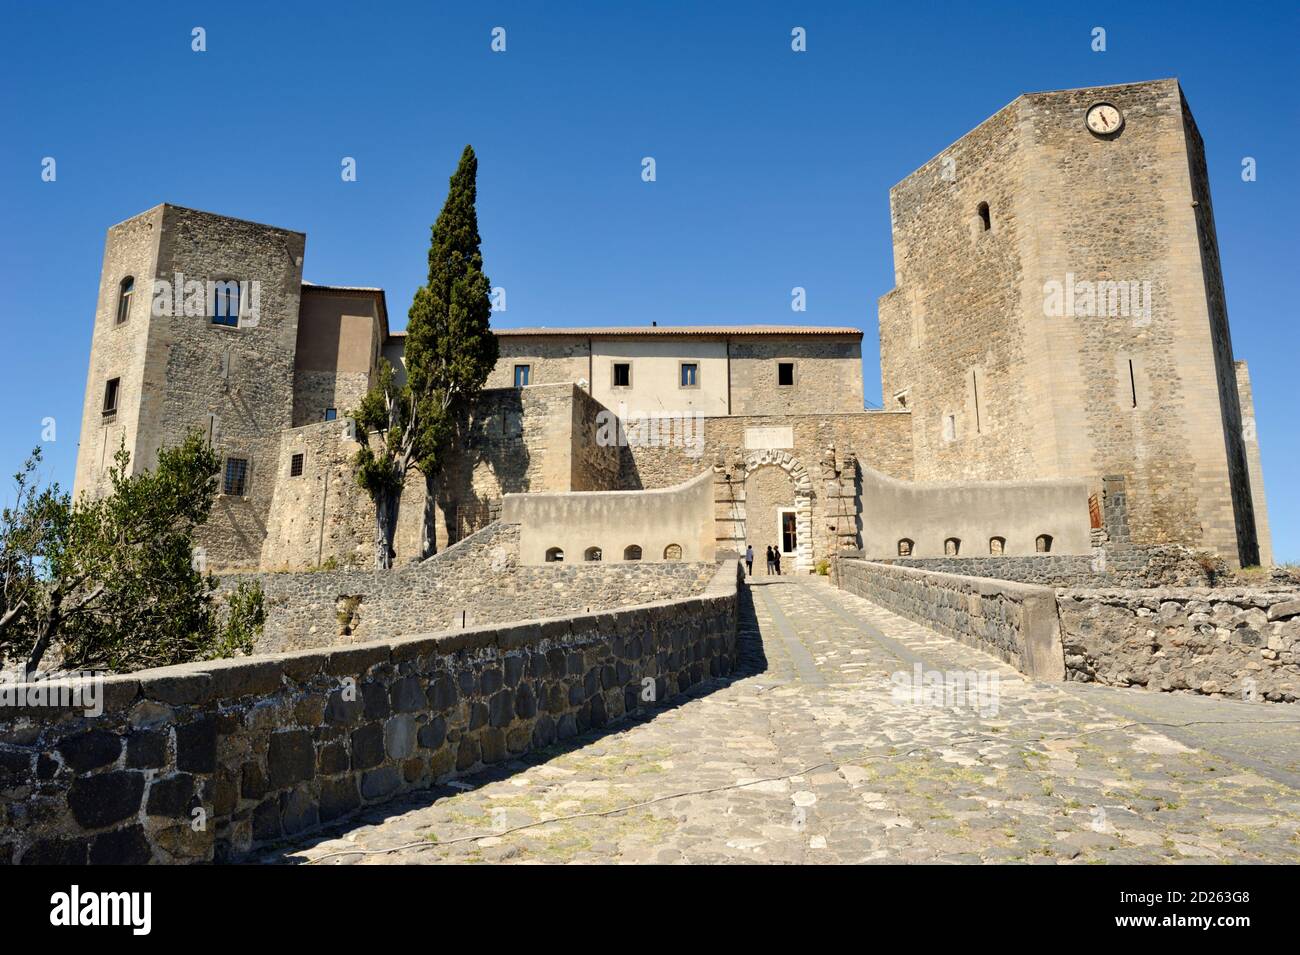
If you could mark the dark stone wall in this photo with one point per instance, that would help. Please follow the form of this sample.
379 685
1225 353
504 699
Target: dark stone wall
205 762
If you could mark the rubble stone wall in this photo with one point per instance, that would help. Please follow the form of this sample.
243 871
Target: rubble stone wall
205 762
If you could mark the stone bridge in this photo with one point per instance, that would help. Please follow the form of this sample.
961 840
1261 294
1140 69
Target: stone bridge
850 734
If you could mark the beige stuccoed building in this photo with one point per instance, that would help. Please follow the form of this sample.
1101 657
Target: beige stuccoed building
1057 369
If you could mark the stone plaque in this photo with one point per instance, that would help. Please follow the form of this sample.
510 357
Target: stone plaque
775 438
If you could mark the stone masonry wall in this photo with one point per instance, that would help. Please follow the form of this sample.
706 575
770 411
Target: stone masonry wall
1017 623
476 582
263 748
1130 567
1233 643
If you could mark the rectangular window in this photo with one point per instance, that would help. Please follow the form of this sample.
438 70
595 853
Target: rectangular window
236 480
295 466
785 374
331 414
225 303
110 395
522 375
622 374
690 374
124 292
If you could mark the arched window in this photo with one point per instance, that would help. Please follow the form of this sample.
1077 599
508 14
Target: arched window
1043 543
673 552
952 546
555 555
905 548
632 552
997 545
124 299
984 216
592 553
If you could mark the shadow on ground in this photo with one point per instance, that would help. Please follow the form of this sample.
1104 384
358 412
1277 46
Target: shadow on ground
751 660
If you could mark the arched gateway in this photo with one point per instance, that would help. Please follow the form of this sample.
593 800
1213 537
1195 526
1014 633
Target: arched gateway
790 525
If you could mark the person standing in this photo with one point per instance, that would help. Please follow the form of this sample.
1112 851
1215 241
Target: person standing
776 560
769 560
749 559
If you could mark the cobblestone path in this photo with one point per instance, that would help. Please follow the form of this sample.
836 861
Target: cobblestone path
812 753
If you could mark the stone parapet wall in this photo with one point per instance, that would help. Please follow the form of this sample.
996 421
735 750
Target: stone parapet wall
205 762
676 521
1105 567
1229 642
973 513
475 582
1015 622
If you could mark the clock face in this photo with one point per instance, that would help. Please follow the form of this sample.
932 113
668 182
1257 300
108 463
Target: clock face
1104 119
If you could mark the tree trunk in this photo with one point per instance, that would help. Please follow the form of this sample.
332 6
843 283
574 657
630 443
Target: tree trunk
386 504
45 632
429 544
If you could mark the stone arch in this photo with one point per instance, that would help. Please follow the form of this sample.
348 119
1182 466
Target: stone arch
803 486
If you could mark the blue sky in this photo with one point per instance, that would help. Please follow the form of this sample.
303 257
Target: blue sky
773 168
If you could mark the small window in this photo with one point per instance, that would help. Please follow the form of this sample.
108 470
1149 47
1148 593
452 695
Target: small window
690 374
592 554
673 552
236 480
904 548
225 303
331 414
785 374
997 545
523 373
952 547
622 374
632 552
111 389
1043 543
295 466
555 556
985 220
124 299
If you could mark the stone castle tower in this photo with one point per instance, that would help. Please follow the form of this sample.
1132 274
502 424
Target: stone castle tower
1059 311
154 377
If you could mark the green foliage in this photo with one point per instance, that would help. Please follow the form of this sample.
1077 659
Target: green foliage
245 617
115 581
449 352
823 567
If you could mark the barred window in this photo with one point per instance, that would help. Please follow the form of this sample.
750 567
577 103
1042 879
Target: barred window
295 466
236 481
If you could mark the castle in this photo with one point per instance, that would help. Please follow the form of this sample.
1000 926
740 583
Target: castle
1057 331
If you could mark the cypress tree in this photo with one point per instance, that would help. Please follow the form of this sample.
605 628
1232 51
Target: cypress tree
450 349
